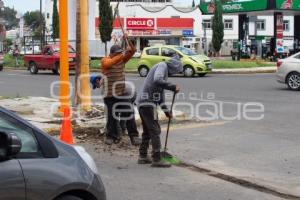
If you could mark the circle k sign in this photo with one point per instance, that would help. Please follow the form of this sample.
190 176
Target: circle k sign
140 23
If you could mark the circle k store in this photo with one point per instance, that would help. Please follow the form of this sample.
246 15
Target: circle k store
146 32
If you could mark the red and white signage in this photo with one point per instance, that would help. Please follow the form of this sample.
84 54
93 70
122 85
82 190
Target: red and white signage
140 23
279 34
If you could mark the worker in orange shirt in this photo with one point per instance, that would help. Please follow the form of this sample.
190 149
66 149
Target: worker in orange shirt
113 69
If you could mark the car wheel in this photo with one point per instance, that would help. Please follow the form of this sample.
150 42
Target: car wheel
143 71
1 68
293 81
33 68
56 69
68 197
201 74
188 71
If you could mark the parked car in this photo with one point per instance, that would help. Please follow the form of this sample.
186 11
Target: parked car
48 60
192 62
288 71
1 61
35 166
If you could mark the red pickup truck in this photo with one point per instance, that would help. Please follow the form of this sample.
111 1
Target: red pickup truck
48 60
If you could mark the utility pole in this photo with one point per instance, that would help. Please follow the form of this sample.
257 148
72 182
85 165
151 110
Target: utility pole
204 38
85 91
41 16
64 56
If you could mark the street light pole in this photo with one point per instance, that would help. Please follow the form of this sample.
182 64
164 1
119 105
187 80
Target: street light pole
204 38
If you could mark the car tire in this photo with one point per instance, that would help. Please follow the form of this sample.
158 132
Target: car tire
56 69
143 71
33 68
201 74
68 197
188 71
293 81
1 68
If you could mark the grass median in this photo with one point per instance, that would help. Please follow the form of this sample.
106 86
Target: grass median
228 64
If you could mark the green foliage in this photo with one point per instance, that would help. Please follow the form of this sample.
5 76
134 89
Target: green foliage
217 26
9 61
35 21
8 42
193 4
55 21
106 21
9 15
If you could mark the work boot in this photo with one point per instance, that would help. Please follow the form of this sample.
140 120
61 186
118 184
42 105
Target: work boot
160 164
144 160
109 141
136 141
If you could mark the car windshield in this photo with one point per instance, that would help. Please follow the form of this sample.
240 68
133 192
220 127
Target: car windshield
186 51
57 49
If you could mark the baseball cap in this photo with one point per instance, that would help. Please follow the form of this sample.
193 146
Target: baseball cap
116 49
93 80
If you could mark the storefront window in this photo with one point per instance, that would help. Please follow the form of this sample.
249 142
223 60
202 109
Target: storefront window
286 25
260 25
228 24
207 24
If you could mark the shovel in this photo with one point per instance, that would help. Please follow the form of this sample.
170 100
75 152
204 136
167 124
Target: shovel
167 157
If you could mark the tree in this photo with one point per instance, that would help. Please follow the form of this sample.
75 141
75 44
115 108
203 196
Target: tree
55 21
193 4
217 27
35 21
9 15
106 21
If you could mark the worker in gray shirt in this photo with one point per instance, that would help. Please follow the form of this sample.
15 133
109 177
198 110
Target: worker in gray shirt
151 96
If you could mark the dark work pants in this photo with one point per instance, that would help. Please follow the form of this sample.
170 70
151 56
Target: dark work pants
131 127
125 110
113 129
151 132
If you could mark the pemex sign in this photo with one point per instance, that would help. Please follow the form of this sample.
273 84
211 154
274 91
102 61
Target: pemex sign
288 4
236 6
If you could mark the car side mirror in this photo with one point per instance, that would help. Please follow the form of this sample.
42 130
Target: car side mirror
10 145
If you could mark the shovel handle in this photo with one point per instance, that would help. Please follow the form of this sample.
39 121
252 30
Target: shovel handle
169 123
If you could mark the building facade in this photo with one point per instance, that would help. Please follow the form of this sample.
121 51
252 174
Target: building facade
149 22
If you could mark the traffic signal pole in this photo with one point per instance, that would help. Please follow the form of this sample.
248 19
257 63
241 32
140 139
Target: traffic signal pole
64 57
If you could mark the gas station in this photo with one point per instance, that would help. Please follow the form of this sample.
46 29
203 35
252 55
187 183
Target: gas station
248 10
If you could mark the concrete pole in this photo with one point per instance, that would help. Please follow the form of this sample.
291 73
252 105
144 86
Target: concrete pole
64 57
85 90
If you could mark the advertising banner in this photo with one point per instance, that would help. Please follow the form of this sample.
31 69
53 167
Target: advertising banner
140 23
279 34
236 6
288 4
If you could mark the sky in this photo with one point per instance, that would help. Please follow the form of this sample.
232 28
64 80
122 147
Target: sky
26 5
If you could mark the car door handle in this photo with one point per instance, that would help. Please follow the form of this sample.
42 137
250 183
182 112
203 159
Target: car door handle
163 59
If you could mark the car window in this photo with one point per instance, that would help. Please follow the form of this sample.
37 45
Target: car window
168 52
10 125
153 52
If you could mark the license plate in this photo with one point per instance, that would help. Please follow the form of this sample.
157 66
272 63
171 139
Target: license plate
209 66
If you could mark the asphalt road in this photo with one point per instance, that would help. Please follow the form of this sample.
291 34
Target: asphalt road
264 151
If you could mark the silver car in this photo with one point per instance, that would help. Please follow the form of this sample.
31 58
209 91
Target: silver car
35 166
288 71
